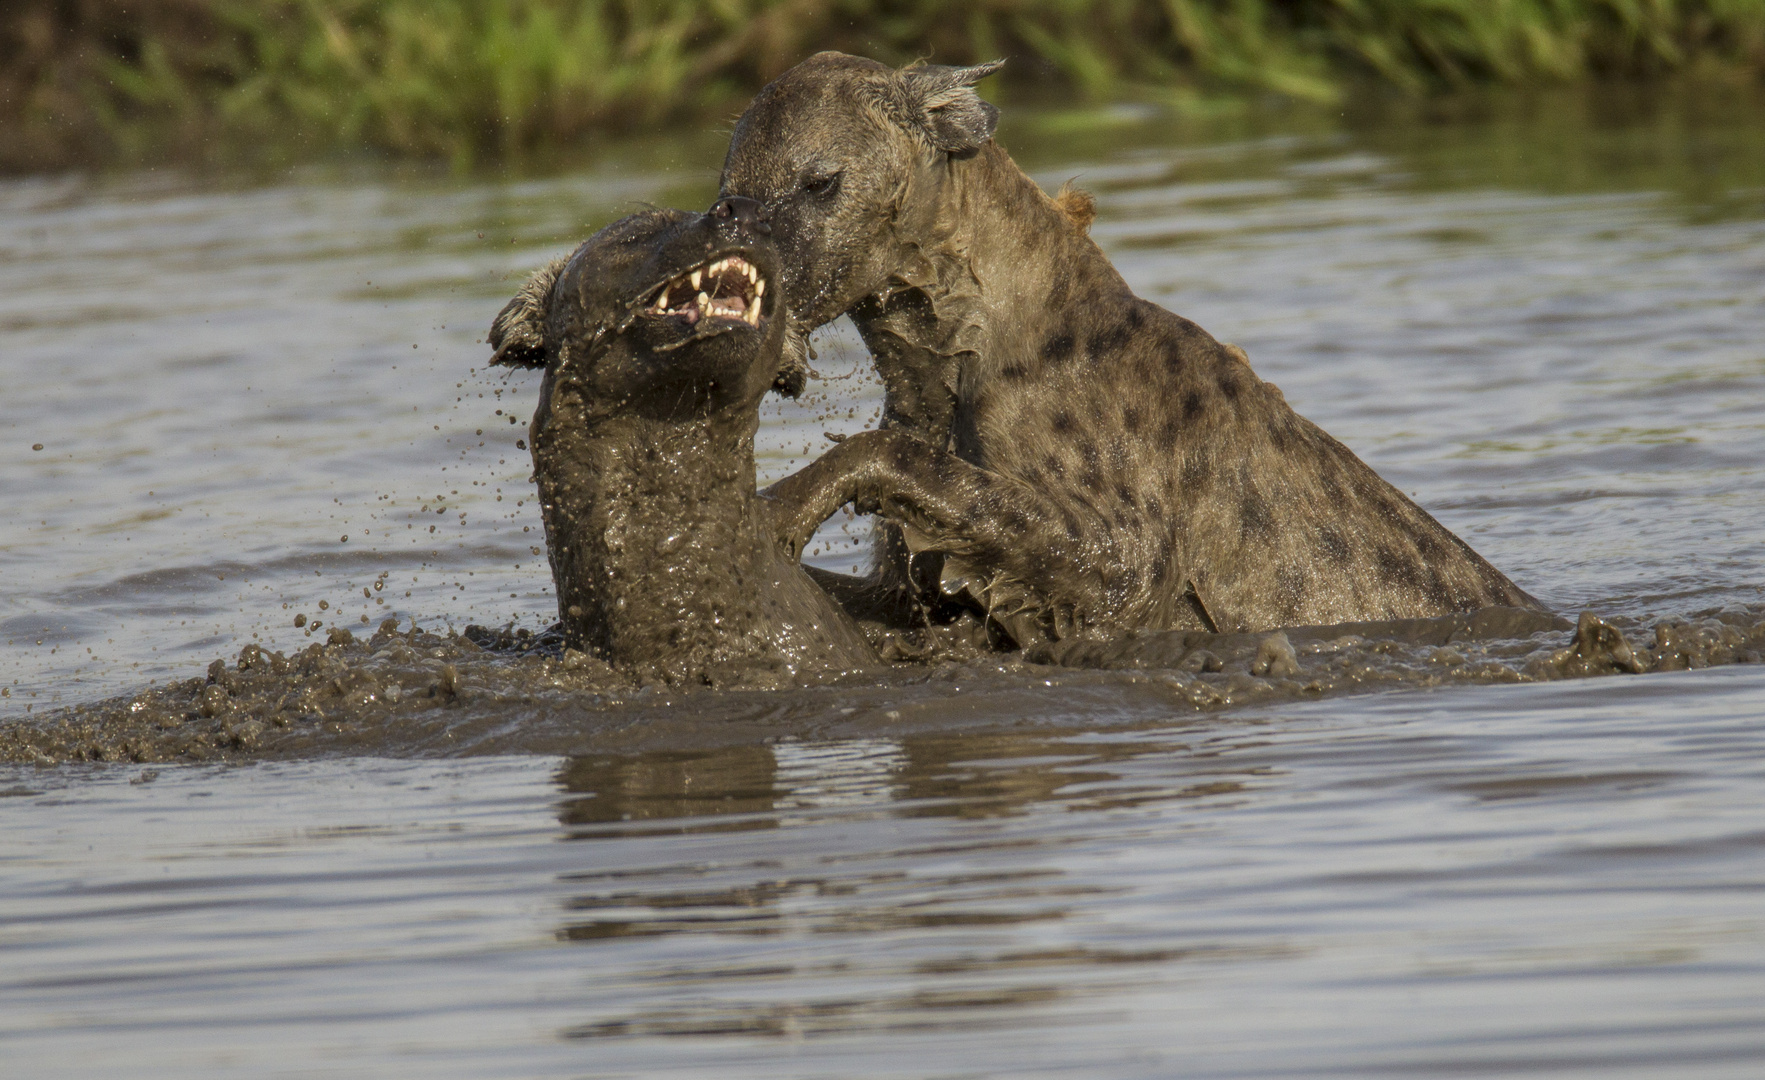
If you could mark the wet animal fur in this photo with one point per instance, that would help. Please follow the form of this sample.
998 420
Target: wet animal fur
1083 458
643 448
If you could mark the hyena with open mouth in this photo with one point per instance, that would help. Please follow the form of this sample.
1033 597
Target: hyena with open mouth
658 337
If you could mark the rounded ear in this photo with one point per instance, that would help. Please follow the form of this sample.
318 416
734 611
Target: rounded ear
944 102
518 334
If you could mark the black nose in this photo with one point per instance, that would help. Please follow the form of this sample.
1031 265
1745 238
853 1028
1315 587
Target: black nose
744 212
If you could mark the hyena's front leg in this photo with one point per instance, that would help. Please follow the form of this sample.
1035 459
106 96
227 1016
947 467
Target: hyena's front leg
960 508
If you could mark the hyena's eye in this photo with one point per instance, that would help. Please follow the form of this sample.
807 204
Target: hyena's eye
822 184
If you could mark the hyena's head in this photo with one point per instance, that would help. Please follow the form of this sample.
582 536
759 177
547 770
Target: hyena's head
844 156
664 314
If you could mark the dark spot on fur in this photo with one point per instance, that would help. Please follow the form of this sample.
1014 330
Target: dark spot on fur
1395 567
1014 372
1191 405
1131 418
1196 475
1062 421
1057 348
1154 508
1335 547
1054 465
1161 566
1168 433
1088 451
1135 317
1109 342
1229 386
1173 358
1072 526
1091 478
1125 494
1254 518
1437 589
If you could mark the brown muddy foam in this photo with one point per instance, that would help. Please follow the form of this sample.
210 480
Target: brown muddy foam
417 693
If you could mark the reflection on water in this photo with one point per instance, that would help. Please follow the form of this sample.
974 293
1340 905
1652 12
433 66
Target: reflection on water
1545 323
668 786
1515 880
929 900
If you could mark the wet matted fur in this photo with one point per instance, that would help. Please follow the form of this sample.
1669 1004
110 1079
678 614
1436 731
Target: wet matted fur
643 449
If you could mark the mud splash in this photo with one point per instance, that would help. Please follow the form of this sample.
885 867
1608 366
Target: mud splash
482 691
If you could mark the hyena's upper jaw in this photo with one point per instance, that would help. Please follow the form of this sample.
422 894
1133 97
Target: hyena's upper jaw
726 287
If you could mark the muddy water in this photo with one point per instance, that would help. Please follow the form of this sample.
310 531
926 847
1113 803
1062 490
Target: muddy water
1544 320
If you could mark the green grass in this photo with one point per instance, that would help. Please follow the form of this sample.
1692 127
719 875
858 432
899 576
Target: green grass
495 80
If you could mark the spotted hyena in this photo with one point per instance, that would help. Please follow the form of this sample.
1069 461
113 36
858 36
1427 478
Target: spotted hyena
1080 458
658 338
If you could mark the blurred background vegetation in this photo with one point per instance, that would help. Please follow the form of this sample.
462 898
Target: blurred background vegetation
476 81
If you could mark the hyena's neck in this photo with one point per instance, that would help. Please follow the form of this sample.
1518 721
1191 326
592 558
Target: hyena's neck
1033 264
655 536
996 269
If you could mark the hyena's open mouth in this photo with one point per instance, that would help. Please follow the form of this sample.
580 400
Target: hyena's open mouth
728 287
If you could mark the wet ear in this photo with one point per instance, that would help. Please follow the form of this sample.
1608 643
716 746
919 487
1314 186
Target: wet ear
944 101
518 334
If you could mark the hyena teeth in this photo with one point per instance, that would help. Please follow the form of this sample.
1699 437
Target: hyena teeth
695 279
704 301
760 288
753 312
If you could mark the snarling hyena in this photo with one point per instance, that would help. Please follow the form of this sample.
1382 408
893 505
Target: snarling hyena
658 338
1082 458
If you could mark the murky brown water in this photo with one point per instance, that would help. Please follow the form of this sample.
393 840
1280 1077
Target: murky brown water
1545 321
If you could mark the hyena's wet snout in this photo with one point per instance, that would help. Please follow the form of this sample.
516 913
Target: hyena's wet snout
738 212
